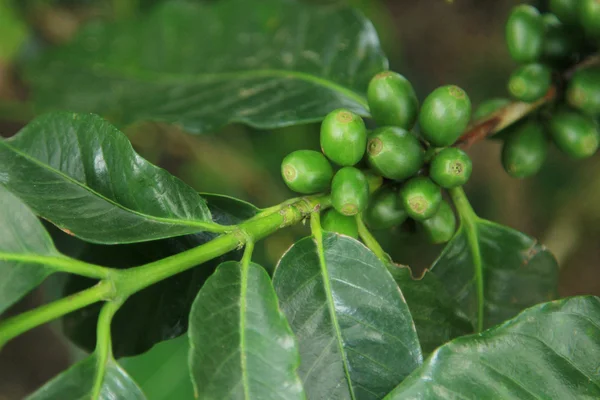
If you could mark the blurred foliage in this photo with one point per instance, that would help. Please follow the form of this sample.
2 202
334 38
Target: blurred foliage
431 42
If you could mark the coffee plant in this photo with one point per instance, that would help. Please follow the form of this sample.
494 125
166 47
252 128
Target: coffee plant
338 318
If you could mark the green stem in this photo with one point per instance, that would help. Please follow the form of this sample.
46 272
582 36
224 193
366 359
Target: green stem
61 264
15 326
103 351
243 311
468 220
135 279
370 240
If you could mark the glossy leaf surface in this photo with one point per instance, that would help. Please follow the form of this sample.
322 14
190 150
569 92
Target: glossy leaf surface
496 268
265 63
81 173
76 384
241 344
549 351
356 336
163 372
159 312
437 317
22 238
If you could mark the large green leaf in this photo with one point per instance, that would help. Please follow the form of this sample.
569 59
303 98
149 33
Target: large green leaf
81 173
23 239
437 317
163 372
76 383
356 335
159 312
550 351
265 63
494 272
241 346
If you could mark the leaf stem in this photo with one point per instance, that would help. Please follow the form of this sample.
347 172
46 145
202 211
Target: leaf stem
103 351
243 312
468 220
370 241
135 279
19 324
62 264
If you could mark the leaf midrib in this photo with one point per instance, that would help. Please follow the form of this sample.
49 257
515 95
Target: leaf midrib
191 223
318 235
203 77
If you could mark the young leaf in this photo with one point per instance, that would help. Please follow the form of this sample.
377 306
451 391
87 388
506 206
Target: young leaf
159 312
494 272
437 317
241 345
549 351
163 372
357 338
266 64
81 173
24 245
76 383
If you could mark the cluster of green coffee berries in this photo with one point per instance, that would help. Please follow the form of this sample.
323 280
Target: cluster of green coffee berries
389 174
545 46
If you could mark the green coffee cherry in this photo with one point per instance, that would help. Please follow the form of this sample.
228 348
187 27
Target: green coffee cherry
349 191
559 42
441 227
333 221
583 92
306 171
394 153
589 17
525 150
444 115
530 82
574 133
392 100
489 107
343 137
421 198
384 210
525 34
451 168
566 10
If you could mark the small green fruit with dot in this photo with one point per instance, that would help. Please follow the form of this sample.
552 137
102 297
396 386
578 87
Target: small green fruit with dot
394 153
343 137
525 150
589 17
333 221
488 107
349 191
384 210
441 227
525 34
530 82
574 134
421 198
444 115
583 92
392 100
451 168
306 171
566 11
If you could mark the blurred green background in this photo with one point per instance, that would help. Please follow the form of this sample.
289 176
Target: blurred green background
432 42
